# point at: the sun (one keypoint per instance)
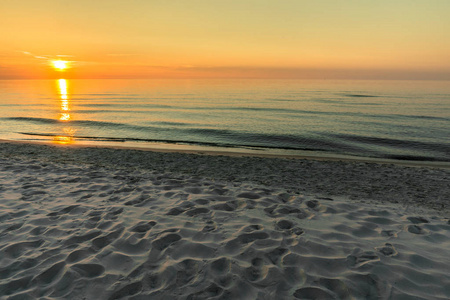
(60, 65)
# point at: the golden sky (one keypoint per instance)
(389, 39)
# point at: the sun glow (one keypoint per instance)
(60, 65)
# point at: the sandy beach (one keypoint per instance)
(103, 223)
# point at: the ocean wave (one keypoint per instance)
(120, 105)
(361, 96)
(166, 123)
(86, 123)
(389, 141)
(435, 151)
(355, 145)
(33, 120)
(230, 138)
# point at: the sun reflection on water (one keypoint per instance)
(63, 95)
(64, 115)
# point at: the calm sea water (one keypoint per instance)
(378, 119)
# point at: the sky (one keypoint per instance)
(347, 39)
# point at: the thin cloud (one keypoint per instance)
(35, 56)
(47, 58)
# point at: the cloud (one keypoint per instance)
(47, 58)
(35, 56)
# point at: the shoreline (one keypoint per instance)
(166, 148)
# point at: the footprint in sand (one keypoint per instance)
(128, 290)
(202, 201)
(249, 195)
(18, 249)
(237, 243)
(255, 273)
(223, 207)
(276, 255)
(212, 291)
(210, 226)
(188, 272)
(315, 205)
(89, 270)
(359, 258)
(416, 229)
(313, 293)
(284, 225)
(197, 211)
(175, 211)
(388, 250)
(221, 266)
(82, 238)
(165, 241)
(418, 220)
(288, 227)
(103, 241)
(142, 227)
(12, 227)
(79, 255)
(49, 275)
(251, 228)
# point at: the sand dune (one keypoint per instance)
(77, 229)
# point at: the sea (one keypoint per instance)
(384, 119)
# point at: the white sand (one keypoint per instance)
(84, 223)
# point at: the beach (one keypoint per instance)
(79, 222)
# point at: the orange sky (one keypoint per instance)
(395, 39)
